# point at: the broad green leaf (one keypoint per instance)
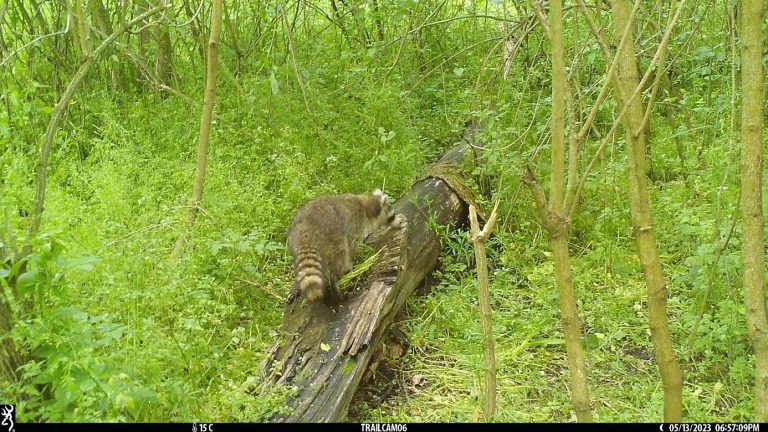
(27, 281)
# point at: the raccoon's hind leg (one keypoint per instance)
(333, 294)
(346, 265)
(342, 266)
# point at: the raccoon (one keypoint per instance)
(323, 236)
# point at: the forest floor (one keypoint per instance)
(123, 331)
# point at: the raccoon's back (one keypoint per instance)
(319, 223)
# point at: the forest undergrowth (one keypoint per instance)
(121, 330)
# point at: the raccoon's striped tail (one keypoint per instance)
(310, 278)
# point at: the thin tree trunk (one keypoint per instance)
(164, 55)
(753, 243)
(100, 16)
(569, 316)
(21, 9)
(642, 222)
(81, 25)
(104, 27)
(163, 60)
(478, 238)
(73, 32)
(212, 72)
(557, 185)
(559, 226)
(44, 28)
(555, 215)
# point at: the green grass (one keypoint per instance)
(126, 333)
(121, 331)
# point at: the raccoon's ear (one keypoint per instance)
(373, 207)
(379, 195)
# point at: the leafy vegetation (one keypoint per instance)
(338, 97)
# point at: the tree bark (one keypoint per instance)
(559, 224)
(753, 243)
(326, 351)
(557, 184)
(478, 238)
(164, 55)
(81, 25)
(569, 315)
(205, 122)
(642, 221)
(100, 16)
(555, 215)
(164, 58)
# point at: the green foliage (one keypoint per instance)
(117, 330)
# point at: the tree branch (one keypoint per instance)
(658, 59)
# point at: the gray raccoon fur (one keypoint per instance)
(323, 236)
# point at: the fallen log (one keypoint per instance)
(325, 351)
